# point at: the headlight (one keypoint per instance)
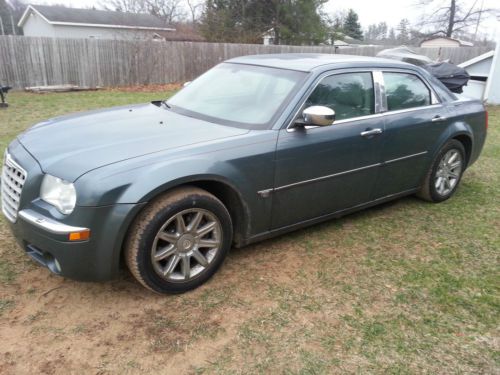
(59, 193)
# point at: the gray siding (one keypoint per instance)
(37, 26)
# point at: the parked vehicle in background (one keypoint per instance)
(255, 147)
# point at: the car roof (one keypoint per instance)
(307, 62)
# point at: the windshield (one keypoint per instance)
(238, 95)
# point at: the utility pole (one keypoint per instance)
(1, 26)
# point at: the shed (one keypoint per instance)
(443, 41)
(479, 69)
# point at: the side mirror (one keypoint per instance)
(186, 83)
(318, 115)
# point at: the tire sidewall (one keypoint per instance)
(160, 217)
(451, 145)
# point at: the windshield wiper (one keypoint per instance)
(159, 103)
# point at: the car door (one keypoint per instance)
(320, 170)
(413, 122)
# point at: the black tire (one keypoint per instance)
(429, 191)
(141, 246)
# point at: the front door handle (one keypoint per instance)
(438, 119)
(368, 133)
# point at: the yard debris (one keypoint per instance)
(3, 96)
(50, 291)
(60, 88)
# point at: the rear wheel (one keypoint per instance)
(445, 174)
(179, 241)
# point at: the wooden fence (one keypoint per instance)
(28, 61)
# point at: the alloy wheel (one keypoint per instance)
(448, 172)
(186, 244)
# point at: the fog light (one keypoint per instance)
(79, 236)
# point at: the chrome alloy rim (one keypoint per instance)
(448, 172)
(186, 244)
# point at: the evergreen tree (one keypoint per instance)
(404, 31)
(352, 27)
(392, 36)
(244, 21)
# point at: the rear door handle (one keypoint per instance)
(438, 119)
(368, 133)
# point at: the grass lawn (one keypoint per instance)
(407, 287)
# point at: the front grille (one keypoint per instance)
(13, 178)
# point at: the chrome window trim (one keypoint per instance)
(381, 115)
(405, 110)
(380, 97)
(47, 223)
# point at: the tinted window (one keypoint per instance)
(349, 95)
(405, 91)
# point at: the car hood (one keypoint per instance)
(70, 146)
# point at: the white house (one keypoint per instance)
(443, 41)
(62, 22)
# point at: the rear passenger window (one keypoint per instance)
(348, 94)
(405, 91)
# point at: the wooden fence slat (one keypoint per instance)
(31, 61)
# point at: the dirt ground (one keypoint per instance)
(406, 287)
(60, 326)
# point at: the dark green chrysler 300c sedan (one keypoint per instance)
(255, 147)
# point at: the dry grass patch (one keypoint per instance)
(407, 287)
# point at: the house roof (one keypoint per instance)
(59, 15)
(477, 59)
(462, 43)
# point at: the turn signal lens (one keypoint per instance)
(79, 236)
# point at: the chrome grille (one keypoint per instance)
(13, 178)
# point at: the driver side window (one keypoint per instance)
(348, 94)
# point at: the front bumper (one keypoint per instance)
(46, 241)
(42, 231)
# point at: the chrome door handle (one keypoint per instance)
(368, 133)
(438, 119)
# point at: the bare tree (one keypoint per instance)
(169, 10)
(130, 6)
(448, 17)
(195, 9)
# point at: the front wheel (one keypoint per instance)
(179, 241)
(445, 174)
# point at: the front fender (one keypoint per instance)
(244, 166)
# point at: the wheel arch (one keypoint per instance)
(460, 131)
(466, 140)
(223, 190)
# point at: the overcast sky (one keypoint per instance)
(370, 11)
